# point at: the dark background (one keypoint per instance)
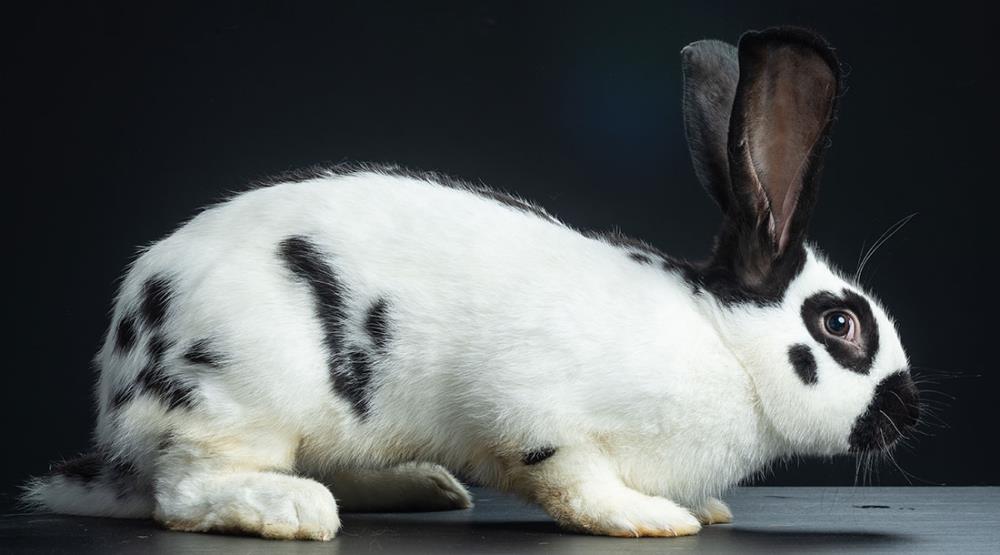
(125, 118)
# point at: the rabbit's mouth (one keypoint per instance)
(893, 411)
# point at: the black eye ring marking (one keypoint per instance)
(855, 354)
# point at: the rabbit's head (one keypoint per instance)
(827, 365)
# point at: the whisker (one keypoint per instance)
(886, 235)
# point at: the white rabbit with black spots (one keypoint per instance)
(355, 336)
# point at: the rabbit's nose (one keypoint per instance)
(893, 410)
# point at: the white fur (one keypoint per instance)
(509, 332)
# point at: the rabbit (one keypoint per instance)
(353, 338)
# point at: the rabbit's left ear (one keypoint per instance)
(785, 103)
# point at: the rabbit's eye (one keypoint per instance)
(840, 323)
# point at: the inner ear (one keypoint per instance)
(783, 109)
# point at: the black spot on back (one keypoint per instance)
(202, 352)
(377, 323)
(155, 298)
(803, 362)
(536, 456)
(125, 333)
(847, 355)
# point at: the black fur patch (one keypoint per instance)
(154, 380)
(305, 260)
(857, 358)
(157, 348)
(349, 372)
(354, 385)
(202, 352)
(121, 397)
(125, 333)
(155, 300)
(803, 362)
(377, 323)
(536, 456)
(894, 409)
(167, 389)
(85, 468)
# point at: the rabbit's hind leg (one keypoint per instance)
(237, 483)
(410, 487)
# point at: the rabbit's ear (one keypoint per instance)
(785, 103)
(711, 71)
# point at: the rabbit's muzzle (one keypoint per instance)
(893, 411)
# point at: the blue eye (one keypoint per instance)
(838, 323)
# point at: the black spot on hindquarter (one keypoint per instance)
(156, 293)
(167, 389)
(855, 357)
(536, 456)
(125, 333)
(202, 352)
(803, 362)
(155, 381)
(377, 323)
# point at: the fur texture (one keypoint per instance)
(332, 330)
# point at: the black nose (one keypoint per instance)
(894, 409)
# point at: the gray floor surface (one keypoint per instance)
(772, 520)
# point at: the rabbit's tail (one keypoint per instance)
(90, 485)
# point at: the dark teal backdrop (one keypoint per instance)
(123, 118)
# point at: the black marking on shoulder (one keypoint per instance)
(536, 456)
(202, 352)
(125, 333)
(855, 357)
(803, 362)
(377, 323)
(85, 468)
(305, 260)
(156, 293)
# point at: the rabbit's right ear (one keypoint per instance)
(711, 73)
